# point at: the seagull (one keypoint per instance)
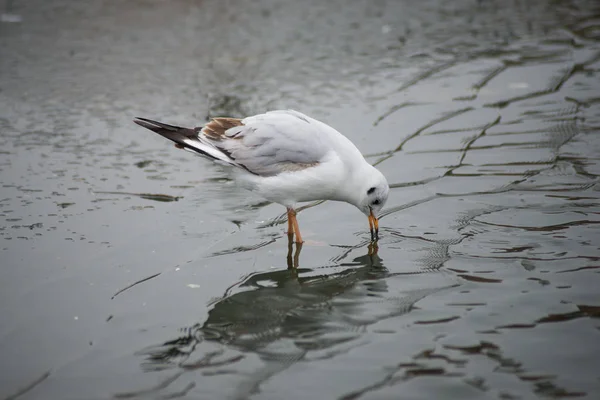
(287, 158)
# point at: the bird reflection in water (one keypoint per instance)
(282, 315)
(266, 306)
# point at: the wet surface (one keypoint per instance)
(130, 269)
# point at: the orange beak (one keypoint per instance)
(374, 226)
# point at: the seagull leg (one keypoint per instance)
(297, 255)
(290, 262)
(376, 225)
(292, 217)
(290, 230)
(293, 257)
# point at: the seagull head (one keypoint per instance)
(374, 190)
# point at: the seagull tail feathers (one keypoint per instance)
(177, 134)
(187, 139)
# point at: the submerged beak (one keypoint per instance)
(374, 226)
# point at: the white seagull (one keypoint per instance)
(287, 158)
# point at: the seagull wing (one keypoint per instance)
(265, 144)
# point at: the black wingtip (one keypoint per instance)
(141, 122)
(155, 125)
(181, 136)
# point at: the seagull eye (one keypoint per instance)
(371, 190)
(376, 202)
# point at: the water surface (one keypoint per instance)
(130, 269)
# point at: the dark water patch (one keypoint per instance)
(240, 249)
(144, 163)
(147, 196)
(446, 117)
(579, 269)
(438, 321)
(389, 112)
(22, 391)
(134, 284)
(479, 279)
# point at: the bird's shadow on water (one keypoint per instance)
(284, 316)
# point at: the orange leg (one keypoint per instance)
(290, 230)
(294, 223)
(293, 257)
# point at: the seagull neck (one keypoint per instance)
(352, 187)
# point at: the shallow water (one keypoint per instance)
(130, 269)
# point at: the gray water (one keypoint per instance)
(133, 270)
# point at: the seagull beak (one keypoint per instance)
(374, 226)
